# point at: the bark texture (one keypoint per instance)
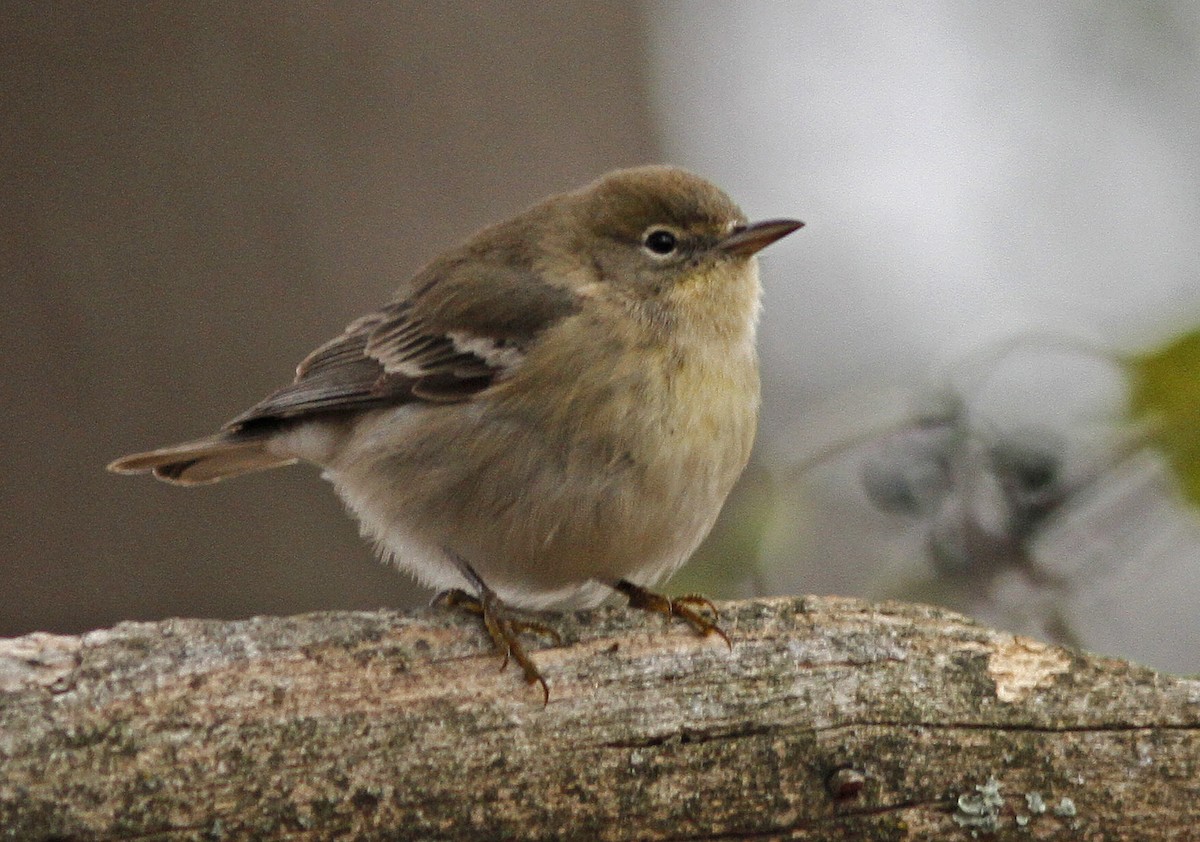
(829, 719)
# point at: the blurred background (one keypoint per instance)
(973, 354)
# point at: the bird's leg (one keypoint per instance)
(683, 607)
(502, 627)
(458, 598)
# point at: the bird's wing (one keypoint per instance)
(462, 328)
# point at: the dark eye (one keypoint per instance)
(661, 242)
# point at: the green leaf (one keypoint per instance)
(1165, 397)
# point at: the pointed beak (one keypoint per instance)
(749, 239)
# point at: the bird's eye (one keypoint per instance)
(660, 241)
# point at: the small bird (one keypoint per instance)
(553, 410)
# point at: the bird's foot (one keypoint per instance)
(504, 629)
(684, 607)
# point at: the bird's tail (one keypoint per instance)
(204, 460)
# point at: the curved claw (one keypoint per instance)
(699, 600)
(456, 598)
(534, 627)
(683, 607)
(503, 630)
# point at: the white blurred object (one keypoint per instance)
(966, 171)
(1131, 549)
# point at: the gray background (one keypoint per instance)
(194, 196)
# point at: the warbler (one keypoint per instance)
(554, 409)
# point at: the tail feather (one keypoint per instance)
(203, 460)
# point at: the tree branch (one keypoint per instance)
(830, 719)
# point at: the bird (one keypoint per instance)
(554, 410)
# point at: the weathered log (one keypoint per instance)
(829, 719)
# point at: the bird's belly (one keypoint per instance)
(541, 517)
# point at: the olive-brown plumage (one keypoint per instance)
(560, 404)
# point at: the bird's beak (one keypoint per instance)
(748, 239)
